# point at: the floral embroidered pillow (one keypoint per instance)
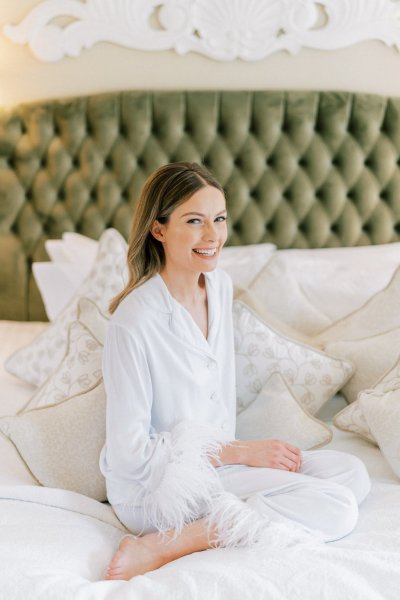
(36, 361)
(312, 376)
(80, 369)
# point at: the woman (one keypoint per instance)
(171, 460)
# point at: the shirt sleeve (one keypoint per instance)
(176, 479)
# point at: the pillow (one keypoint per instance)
(352, 417)
(80, 368)
(250, 300)
(61, 443)
(311, 289)
(275, 413)
(36, 361)
(72, 259)
(382, 413)
(379, 314)
(312, 376)
(72, 248)
(372, 356)
(243, 263)
(57, 283)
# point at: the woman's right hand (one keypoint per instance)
(273, 454)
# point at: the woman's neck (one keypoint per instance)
(187, 288)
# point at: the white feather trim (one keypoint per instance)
(233, 523)
(187, 486)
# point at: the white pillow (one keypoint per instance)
(352, 418)
(382, 413)
(379, 314)
(311, 289)
(276, 414)
(73, 248)
(312, 376)
(80, 369)
(243, 263)
(36, 361)
(57, 283)
(72, 259)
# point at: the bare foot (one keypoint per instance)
(135, 556)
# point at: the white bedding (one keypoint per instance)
(56, 544)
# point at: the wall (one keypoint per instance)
(368, 67)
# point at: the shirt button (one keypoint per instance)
(211, 365)
(213, 395)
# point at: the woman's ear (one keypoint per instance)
(157, 231)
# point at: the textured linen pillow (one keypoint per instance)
(80, 368)
(352, 417)
(312, 376)
(382, 413)
(61, 443)
(36, 361)
(311, 289)
(379, 314)
(276, 414)
(372, 356)
(246, 297)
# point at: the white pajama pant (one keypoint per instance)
(323, 497)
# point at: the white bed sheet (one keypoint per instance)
(56, 544)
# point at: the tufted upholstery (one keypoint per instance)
(300, 169)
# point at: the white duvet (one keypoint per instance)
(56, 544)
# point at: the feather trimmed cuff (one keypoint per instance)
(186, 489)
(233, 523)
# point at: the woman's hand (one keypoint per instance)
(274, 454)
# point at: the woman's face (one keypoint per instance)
(195, 232)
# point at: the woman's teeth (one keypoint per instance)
(209, 252)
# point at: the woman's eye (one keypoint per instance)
(220, 219)
(195, 221)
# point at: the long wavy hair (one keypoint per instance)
(166, 189)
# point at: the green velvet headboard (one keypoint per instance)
(300, 169)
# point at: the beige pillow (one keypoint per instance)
(35, 362)
(379, 314)
(352, 417)
(372, 356)
(247, 297)
(312, 376)
(276, 414)
(80, 368)
(61, 443)
(382, 413)
(311, 289)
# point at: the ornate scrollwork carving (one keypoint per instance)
(220, 29)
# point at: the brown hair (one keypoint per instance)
(167, 188)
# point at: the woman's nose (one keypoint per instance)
(210, 233)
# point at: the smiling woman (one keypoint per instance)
(169, 375)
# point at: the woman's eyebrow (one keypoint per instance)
(201, 214)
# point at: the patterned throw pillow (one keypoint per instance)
(80, 369)
(36, 361)
(312, 376)
(276, 414)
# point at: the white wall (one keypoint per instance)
(368, 67)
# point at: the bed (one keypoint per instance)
(312, 181)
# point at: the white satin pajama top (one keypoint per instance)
(160, 371)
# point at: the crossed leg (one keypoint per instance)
(323, 497)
